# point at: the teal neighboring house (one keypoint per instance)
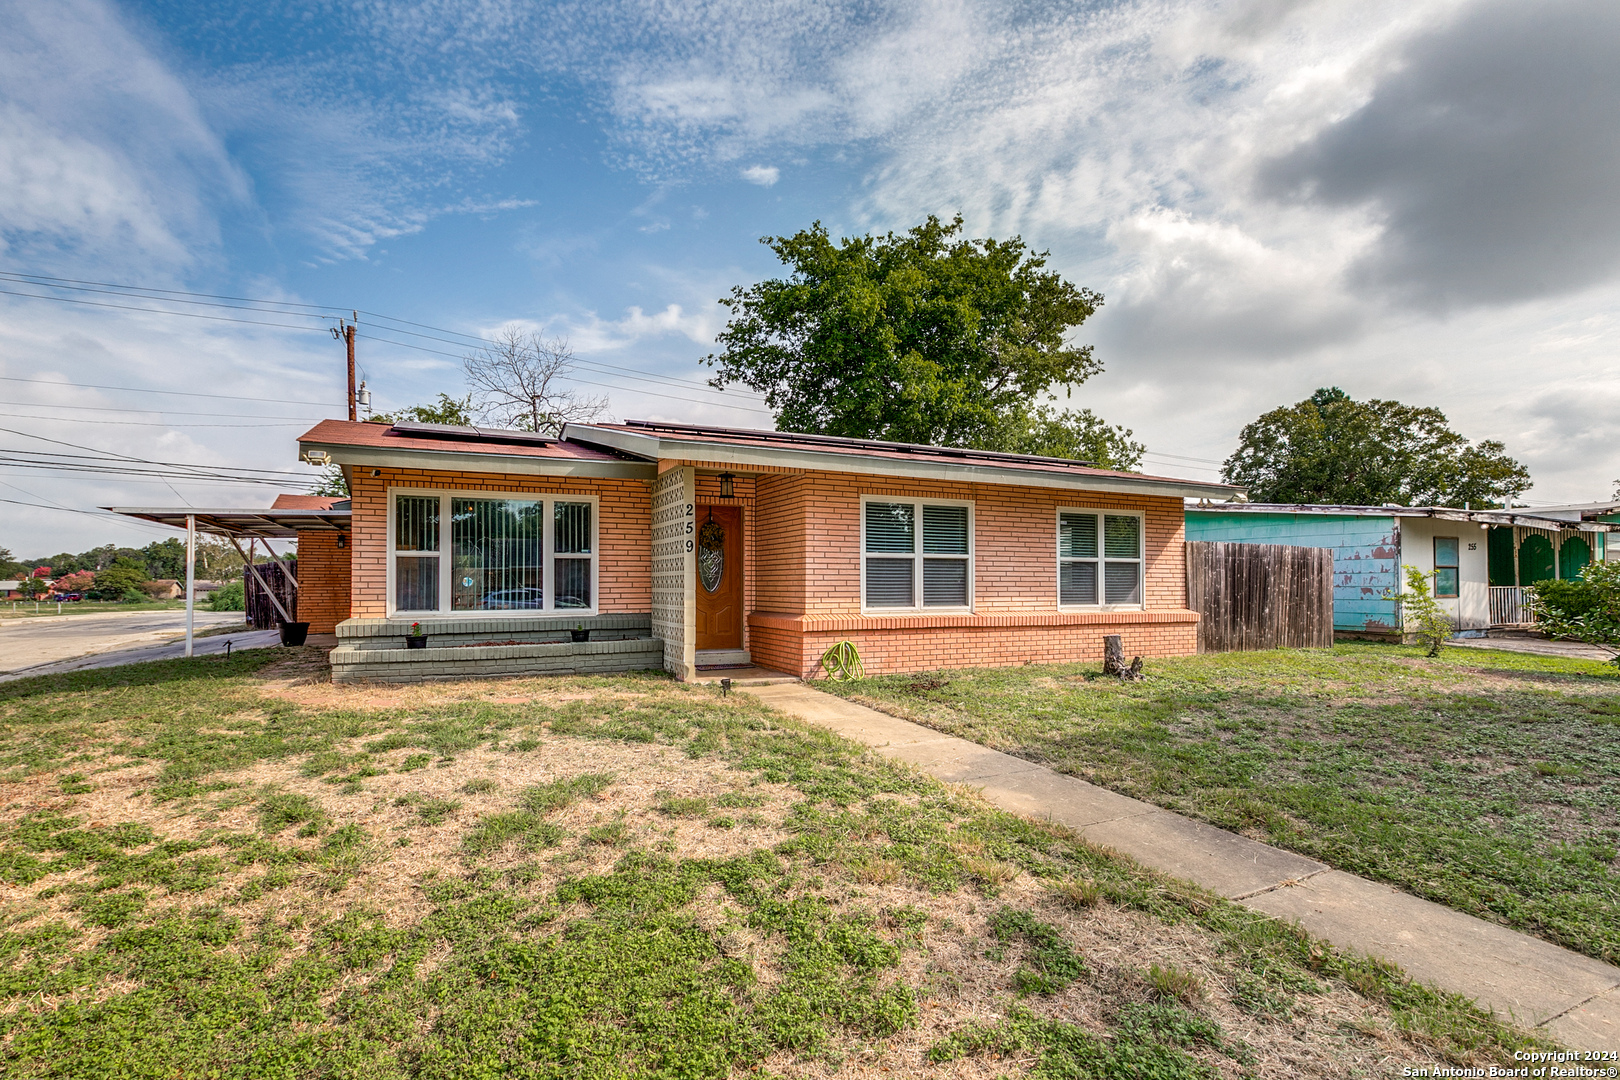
(1482, 560)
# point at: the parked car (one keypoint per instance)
(69, 597)
(514, 599)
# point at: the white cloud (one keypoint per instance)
(763, 175)
(104, 154)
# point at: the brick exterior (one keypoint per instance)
(323, 581)
(809, 590)
(802, 566)
(624, 530)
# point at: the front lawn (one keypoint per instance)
(1485, 780)
(223, 867)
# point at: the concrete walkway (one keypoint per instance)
(1531, 643)
(1571, 998)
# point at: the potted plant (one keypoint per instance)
(294, 633)
(416, 639)
(579, 633)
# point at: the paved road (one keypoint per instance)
(28, 642)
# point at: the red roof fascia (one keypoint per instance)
(378, 436)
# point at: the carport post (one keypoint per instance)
(191, 575)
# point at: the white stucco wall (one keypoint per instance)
(1471, 608)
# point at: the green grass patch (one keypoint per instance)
(1487, 781)
(702, 968)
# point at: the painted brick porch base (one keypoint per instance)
(794, 643)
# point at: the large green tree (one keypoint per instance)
(1331, 448)
(921, 337)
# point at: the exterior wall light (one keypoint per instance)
(725, 485)
(343, 541)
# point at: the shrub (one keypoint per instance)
(1586, 609)
(134, 596)
(1421, 615)
(231, 597)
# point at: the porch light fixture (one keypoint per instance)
(343, 541)
(725, 485)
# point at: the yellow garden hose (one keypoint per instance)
(843, 662)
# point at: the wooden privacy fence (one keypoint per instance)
(1260, 596)
(260, 611)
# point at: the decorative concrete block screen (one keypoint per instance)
(674, 569)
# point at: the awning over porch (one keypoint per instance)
(272, 523)
(289, 516)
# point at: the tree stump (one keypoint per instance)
(1114, 660)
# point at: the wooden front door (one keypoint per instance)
(720, 577)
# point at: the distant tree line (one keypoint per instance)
(217, 560)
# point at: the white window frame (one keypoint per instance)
(917, 556)
(1102, 559)
(548, 549)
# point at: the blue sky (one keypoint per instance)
(1272, 195)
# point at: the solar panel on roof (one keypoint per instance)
(475, 434)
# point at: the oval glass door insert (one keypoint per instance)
(711, 554)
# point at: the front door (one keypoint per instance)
(720, 577)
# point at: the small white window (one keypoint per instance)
(1099, 559)
(916, 554)
(507, 553)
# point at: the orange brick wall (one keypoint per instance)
(810, 529)
(988, 643)
(809, 594)
(323, 581)
(624, 530)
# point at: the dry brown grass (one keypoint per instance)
(952, 959)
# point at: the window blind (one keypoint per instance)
(890, 527)
(1122, 537)
(497, 553)
(888, 583)
(945, 530)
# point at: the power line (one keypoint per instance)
(160, 412)
(136, 291)
(129, 457)
(158, 311)
(587, 382)
(281, 307)
(171, 292)
(144, 423)
(601, 365)
(175, 393)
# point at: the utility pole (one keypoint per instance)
(345, 332)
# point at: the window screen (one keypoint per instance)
(1445, 566)
(572, 544)
(416, 576)
(1099, 559)
(905, 563)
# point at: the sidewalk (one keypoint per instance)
(1569, 997)
(208, 646)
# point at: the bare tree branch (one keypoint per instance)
(518, 381)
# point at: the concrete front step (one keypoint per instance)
(351, 664)
(1564, 995)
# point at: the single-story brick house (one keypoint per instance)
(694, 547)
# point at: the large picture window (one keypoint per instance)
(1099, 559)
(916, 554)
(506, 553)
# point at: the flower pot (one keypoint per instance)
(418, 641)
(580, 635)
(294, 633)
